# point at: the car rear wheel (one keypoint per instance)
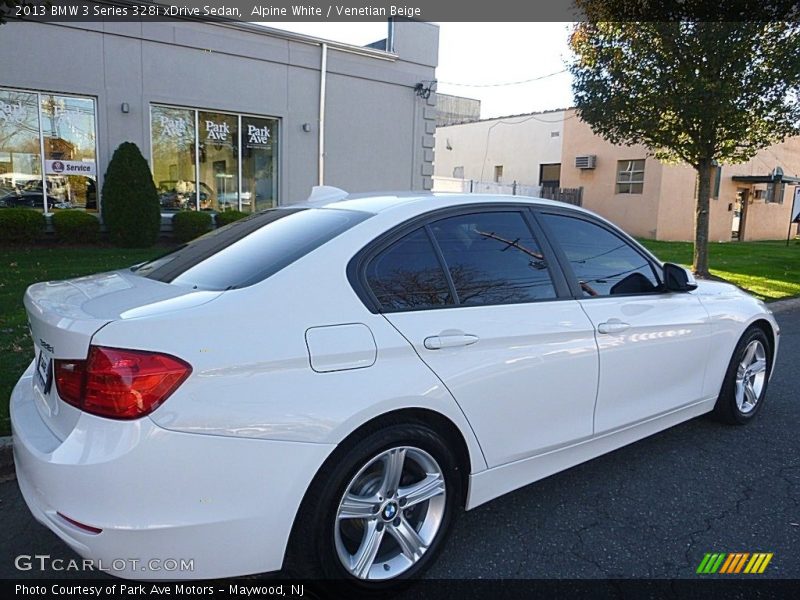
(378, 512)
(745, 385)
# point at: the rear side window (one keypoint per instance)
(407, 275)
(603, 263)
(493, 258)
(250, 250)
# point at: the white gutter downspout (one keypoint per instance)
(322, 76)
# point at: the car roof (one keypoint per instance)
(376, 203)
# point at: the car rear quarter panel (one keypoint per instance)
(252, 375)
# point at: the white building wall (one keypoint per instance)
(520, 144)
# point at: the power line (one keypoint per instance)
(503, 122)
(488, 85)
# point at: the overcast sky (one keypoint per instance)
(479, 54)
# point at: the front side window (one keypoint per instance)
(603, 263)
(493, 258)
(407, 275)
(630, 176)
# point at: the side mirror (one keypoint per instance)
(678, 279)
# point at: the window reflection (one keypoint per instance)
(603, 263)
(407, 275)
(68, 129)
(219, 157)
(493, 259)
(173, 139)
(225, 147)
(259, 161)
(20, 151)
(65, 127)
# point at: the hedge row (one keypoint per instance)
(188, 225)
(76, 227)
(21, 225)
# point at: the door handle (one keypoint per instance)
(613, 326)
(438, 342)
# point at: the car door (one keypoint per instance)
(653, 344)
(489, 312)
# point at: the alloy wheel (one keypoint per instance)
(750, 376)
(390, 513)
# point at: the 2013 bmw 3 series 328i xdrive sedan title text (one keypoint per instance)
(325, 386)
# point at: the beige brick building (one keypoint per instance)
(647, 198)
(655, 200)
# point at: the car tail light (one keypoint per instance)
(119, 384)
(69, 375)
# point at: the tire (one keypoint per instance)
(330, 536)
(745, 386)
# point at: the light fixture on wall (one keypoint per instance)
(306, 127)
(126, 108)
(424, 88)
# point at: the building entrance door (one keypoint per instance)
(740, 213)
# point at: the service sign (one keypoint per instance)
(70, 167)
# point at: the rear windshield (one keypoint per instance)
(250, 250)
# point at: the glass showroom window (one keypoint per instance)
(174, 151)
(47, 141)
(219, 161)
(234, 155)
(259, 163)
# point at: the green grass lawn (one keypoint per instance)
(20, 267)
(768, 270)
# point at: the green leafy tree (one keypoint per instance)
(130, 206)
(703, 92)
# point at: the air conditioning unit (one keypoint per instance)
(587, 161)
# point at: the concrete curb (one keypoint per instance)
(7, 455)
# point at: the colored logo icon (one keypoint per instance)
(732, 563)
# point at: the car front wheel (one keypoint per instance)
(745, 385)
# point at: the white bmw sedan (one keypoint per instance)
(325, 387)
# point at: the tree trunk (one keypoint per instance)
(700, 262)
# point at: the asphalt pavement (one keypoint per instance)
(650, 510)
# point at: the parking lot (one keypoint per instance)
(650, 510)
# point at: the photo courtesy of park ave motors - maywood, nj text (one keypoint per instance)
(369, 299)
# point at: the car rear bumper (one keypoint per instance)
(170, 504)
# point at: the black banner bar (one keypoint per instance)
(700, 588)
(277, 11)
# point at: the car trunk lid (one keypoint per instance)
(64, 316)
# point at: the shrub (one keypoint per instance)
(131, 210)
(229, 216)
(76, 227)
(188, 225)
(20, 225)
